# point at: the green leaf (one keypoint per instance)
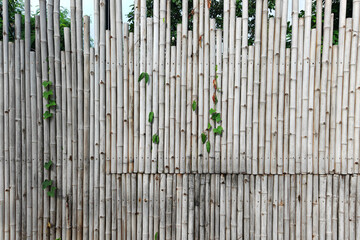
(208, 146)
(218, 118)
(156, 235)
(46, 183)
(144, 75)
(212, 111)
(51, 103)
(48, 165)
(209, 126)
(216, 68)
(155, 139)
(151, 117)
(51, 193)
(218, 130)
(194, 105)
(46, 83)
(203, 138)
(47, 115)
(47, 94)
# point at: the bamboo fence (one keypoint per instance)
(133, 137)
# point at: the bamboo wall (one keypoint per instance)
(130, 159)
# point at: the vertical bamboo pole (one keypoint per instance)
(6, 118)
(149, 86)
(321, 224)
(126, 100)
(18, 135)
(64, 143)
(269, 76)
(2, 140)
(219, 84)
(69, 132)
(246, 221)
(323, 88)
(191, 207)
(262, 97)
(178, 106)
(172, 158)
(87, 111)
(249, 106)
(329, 188)
(287, 112)
(164, 84)
(188, 104)
(11, 109)
(352, 87)
(299, 80)
(229, 123)
(169, 201)
(224, 85)
(145, 204)
(92, 144)
(339, 90)
(131, 103)
(133, 206)
(333, 109)
(237, 82)
(184, 205)
(143, 99)
(107, 95)
(213, 70)
(139, 206)
(102, 118)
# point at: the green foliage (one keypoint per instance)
(218, 130)
(51, 103)
(151, 117)
(51, 193)
(144, 75)
(209, 126)
(203, 138)
(155, 139)
(156, 235)
(47, 94)
(47, 183)
(48, 165)
(18, 6)
(208, 146)
(47, 83)
(47, 115)
(194, 106)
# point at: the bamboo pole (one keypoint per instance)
(262, 97)
(131, 103)
(224, 85)
(188, 104)
(11, 109)
(2, 140)
(213, 70)
(149, 86)
(219, 84)
(69, 163)
(299, 80)
(321, 225)
(230, 110)
(164, 82)
(287, 114)
(237, 82)
(87, 176)
(249, 107)
(177, 105)
(92, 144)
(171, 163)
(269, 73)
(333, 109)
(64, 143)
(18, 130)
(143, 103)
(126, 100)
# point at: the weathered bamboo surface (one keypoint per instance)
(131, 137)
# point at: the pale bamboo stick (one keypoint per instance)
(133, 206)
(64, 143)
(126, 101)
(149, 86)
(287, 116)
(299, 90)
(323, 88)
(177, 104)
(219, 85)
(18, 133)
(262, 97)
(224, 85)
(213, 68)
(131, 103)
(169, 201)
(2, 140)
(333, 109)
(237, 82)
(229, 123)
(139, 207)
(249, 106)
(247, 194)
(184, 204)
(269, 77)
(159, 208)
(87, 112)
(321, 225)
(164, 80)
(201, 189)
(195, 77)
(329, 188)
(188, 104)
(345, 100)
(145, 205)
(171, 163)
(102, 119)
(143, 102)
(12, 182)
(257, 202)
